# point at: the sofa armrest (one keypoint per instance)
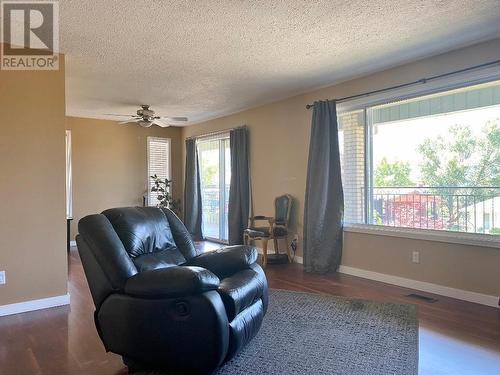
(227, 261)
(171, 282)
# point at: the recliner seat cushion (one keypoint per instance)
(142, 230)
(160, 259)
(240, 291)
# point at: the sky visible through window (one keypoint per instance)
(400, 140)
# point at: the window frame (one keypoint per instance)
(69, 175)
(363, 104)
(168, 141)
(223, 139)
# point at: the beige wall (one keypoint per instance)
(464, 267)
(279, 139)
(110, 166)
(32, 185)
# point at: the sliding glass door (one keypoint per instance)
(215, 174)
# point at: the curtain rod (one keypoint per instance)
(421, 81)
(215, 132)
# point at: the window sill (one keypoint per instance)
(472, 239)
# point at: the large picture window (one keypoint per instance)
(430, 162)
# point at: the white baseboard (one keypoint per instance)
(464, 295)
(72, 243)
(298, 260)
(37, 304)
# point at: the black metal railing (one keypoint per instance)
(453, 208)
(210, 197)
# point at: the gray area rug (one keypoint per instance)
(307, 333)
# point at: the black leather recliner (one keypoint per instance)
(159, 302)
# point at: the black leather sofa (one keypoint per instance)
(160, 304)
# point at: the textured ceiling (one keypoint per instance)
(205, 59)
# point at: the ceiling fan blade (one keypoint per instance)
(161, 123)
(133, 121)
(175, 118)
(116, 115)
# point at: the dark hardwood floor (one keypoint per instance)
(456, 337)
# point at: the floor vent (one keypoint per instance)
(422, 298)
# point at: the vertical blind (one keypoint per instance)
(158, 163)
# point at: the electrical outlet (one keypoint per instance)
(415, 257)
(2, 277)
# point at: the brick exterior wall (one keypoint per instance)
(353, 164)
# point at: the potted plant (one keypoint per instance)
(162, 187)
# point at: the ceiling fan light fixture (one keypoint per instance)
(145, 124)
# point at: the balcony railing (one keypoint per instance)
(212, 220)
(452, 208)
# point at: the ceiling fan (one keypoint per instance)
(145, 117)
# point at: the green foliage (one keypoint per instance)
(393, 174)
(377, 218)
(461, 162)
(462, 159)
(162, 187)
(208, 175)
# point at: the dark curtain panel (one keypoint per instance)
(324, 202)
(239, 190)
(192, 191)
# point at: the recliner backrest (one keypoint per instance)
(120, 242)
(153, 237)
(106, 263)
(181, 235)
(142, 230)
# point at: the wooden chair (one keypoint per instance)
(276, 230)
